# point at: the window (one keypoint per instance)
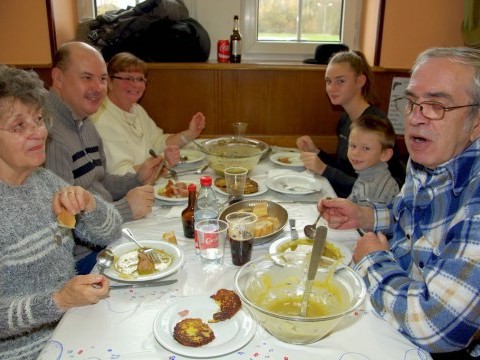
(108, 5)
(291, 29)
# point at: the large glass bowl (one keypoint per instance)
(227, 151)
(273, 293)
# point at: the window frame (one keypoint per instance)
(252, 49)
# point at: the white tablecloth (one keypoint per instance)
(121, 326)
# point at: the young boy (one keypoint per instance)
(370, 146)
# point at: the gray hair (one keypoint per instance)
(21, 85)
(460, 55)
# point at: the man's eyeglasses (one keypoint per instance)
(22, 127)
(139, 79)
(431, 110)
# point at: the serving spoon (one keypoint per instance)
(317, 251)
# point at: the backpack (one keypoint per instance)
(154, 31)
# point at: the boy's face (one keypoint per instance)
(365, 149)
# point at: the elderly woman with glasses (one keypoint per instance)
(38, 281)
(127, 130)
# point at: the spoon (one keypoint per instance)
(317, 251)
(196, 171)
(310, 230)
(104, 259)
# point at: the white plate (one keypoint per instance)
(262, 188)
(294, 184)
(292, 156)
(193, 156)
(155, 244)
(230, 335)
(347, 254)
(162, 182)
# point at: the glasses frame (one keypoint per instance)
(410, 104)
(133, 79)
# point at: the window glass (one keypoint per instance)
(291, 29)
(299, 20)
(108, 5)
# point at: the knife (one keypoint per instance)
(293, 229)
(134, 285)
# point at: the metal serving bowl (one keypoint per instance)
(274, 209)
(227, 151)
(274, 293)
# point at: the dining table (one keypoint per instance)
(124, 325)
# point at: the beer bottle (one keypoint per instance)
(235, 43)
(188, 212)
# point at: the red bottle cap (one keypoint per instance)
(192, 187)
(206, 180)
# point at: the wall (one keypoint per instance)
(412, 26)
(24, 36)
(66, 18)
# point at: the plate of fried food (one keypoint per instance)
(253, 186)
(281, 248)
(204, 326)
(287, 159)
(131, 264)
(175, 190)
(271, 217)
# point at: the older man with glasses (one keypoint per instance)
(424, 273)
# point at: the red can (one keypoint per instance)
(223, 51)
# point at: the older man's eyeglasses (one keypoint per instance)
(134, 79)
(431, 110)
(22, 126)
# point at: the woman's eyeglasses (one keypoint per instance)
(431, 110)
(139, 79)
(23, 126)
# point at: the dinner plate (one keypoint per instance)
(230, 335)
(192, 156)
(287, 159)
(294, 184)
(188, 179)
(178, 259)
(262, 188)
(274, 250)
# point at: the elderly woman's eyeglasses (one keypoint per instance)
(431, 110)
(22, 126)
(139, 79)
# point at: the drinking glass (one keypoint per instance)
(239, 129)
(235, 178)
(212, 234)
(241, 227)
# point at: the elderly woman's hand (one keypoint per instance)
(82, 290)
(73, 199)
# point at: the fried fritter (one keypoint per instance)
(193, 332)
(229, 304)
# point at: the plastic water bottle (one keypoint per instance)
(206, 206)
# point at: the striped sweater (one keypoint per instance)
(36, 259)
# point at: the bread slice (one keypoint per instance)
(265, 226)
(260, 209)
(66, 219)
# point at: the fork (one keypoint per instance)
(151, 253)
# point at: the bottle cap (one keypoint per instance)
(192, 187)
(205, 180)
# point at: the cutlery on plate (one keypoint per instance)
(151, 253)
(195, 171)
(288, 187)
(139, 284)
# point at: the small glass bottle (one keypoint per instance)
(206, 206)
(188, 212)
(235, 42)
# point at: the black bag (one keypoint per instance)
(151, 33)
